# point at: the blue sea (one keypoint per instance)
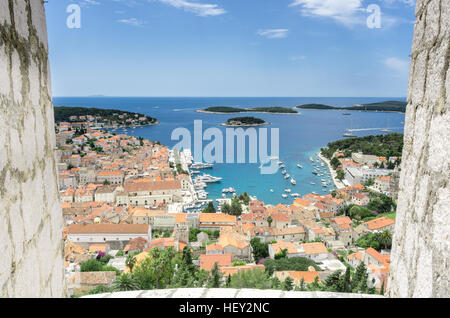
(301, 135)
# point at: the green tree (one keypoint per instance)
(92, 265)
(302, 285)
(281, 254)
(215, 277)
(288, 284)
(269, 220)
(130, 262)
(125, 282)
(236, 207)
(210, 208)
(260, 250)
(386, 239)
(226, 208)
(340, 174)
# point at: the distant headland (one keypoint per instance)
(107, 118)
(235, 110)
(387, 106)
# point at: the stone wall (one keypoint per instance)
(420, 253)
(31, 261)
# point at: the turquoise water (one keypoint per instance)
(301, 135)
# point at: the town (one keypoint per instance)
(127, 206)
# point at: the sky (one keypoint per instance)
(230, 48)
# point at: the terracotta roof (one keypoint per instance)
(216, 218)
(357, 255)
(379, 223)
(166, 243)
(214, 247)
(207, 261)
(288, 231)
(314, 248)
(281, 245)
(108, 228)
(136, 244)
(342, 220)
(308, 276)
(302, 202)
(98, 247)
(152, 186)
(379, 257)
(109, 173)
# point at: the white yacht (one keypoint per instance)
(300, 166)
(208, 178)
(311, 159)
(293, 181)
(201, 165)
(271, 190)
(283, 172)
(287, 190)
(284, 195)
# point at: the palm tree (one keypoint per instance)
(125, 282)
(386, 239)
(269, 220)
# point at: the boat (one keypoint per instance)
(201, 165)
(284, 172)
(271, 190)
(311, 159)
(284, 195)
(282, 166)
(293, 181)
(385, 130)
(315, 172)
(346, 114)
(229, 190)
(208, 178)
(279, 162)
(195, 172)
(287, 176)
(312, 183)
(295, 195)
(349, 135)
(300, 166)
(287, 190)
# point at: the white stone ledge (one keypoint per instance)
(227, 293)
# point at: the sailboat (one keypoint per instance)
(349, 134)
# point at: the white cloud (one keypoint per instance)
(200, 9)
(87, 3)
(132, 22)
(398, 65)
(342, 11)
(298, 58)
(274, 33)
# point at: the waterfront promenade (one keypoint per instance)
(337, 183)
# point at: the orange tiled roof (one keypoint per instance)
(314, 248)
(379, 223)
(207, 261)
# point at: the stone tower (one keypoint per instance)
(31, 263)
(420, 254)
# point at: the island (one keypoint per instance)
(230, 110)
(106, 118)
(244, 122)
(387, 106)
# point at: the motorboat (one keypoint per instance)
(300, 166)
(287, 190)
(201, 165)
(284, 195)
(293, 182)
